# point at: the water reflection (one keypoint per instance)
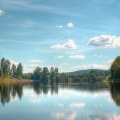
(61, 101)
(9, 92)
(62, 115)
(115, 92)
(39, 89)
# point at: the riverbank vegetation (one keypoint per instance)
(114, 71)
(12, 73)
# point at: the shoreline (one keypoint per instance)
(16, 81)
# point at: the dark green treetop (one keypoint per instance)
(115, 69)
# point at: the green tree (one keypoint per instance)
(5, 66)
(56, 71)
(45, 76)
(13, 70)
(19, 70)
(52, 73)
(115, 69)
(37, 73)
(56, 75)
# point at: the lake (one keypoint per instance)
(60, 102)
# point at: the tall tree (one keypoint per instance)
(45, 75)
(5, 66)
(52, 73)
(19, 70)
(13, 70)
(56, 70)
(115, 68)
(37, 73)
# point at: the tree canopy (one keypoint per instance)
(45, 75)
(115, 69)
(6, 68)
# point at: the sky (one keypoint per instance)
(68, 34)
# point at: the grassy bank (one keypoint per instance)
(109, 79)
(11, 80)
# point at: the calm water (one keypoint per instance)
(60, 102)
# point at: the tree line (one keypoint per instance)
(43, 75)
(115, 69)
(8, 92)
(92, 76)
(6, 68)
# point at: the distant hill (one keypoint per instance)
(84, 71)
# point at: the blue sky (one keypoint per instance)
(71, 35)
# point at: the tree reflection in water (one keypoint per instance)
(9, 92)
(115, 92)
(39, 88)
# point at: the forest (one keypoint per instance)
(91, 76)
(42, 75)
(45, 75)
(115, 69)
(17, 90)
(7, 69)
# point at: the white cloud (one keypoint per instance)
(63, 71)
(35, 61)
(1, 12)
(91, 66)
(81, 67)
(110, 61)
(49, 66)
(61, 56)
(14, 62)
(77, 105)
(33, 65)
(68, 45)
(60, 67)
(97, 66)
(70, 25)
(60, 26)
(105, 41)
(79, 57)
(28, 70)
(65, 115)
